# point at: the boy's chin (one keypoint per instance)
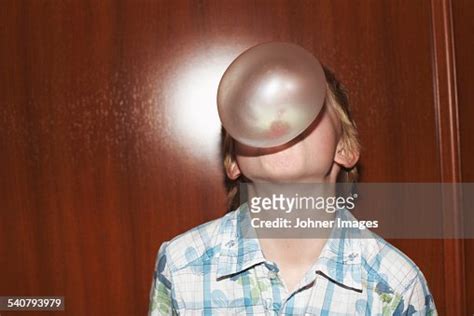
(288, 177)
(285, 171)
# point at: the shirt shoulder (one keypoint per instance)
(384, 262)
(394, 277)
(198, 243)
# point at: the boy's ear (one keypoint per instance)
(233, 170)
(346, 158)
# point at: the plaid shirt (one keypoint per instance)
(213, 270)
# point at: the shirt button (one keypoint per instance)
(352, 256)
(268, 303)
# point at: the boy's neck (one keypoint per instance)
(296, 253)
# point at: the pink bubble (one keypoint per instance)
(270, 94)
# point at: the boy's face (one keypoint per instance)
(314, 156)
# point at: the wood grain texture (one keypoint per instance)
(463, 26)
(446, 106)
(110, 136)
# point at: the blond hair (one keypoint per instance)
(336, 98)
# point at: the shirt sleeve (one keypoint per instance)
(417, 299)
(161, 289)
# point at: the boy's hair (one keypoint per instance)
(336, 98)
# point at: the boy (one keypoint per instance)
(213, 270)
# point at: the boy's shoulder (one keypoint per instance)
(198, 243)
(383, 265)
(393, 277)
(386, 267)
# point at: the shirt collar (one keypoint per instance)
(237, 253)
(339, 261)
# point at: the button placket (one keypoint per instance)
(268, 303)
(266, 287)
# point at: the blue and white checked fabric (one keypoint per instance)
(213, 270)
